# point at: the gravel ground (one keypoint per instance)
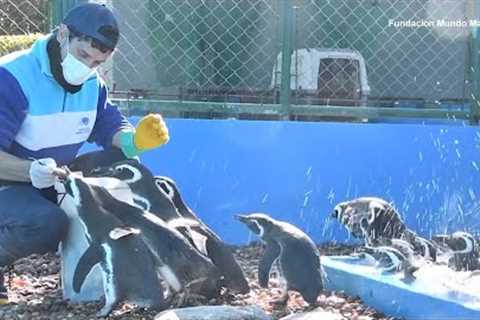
(34, 293)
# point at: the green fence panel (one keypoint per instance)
(237, 51)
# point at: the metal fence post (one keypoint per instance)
(474, 66)
(287, 49)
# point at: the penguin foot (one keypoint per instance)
(408, 277)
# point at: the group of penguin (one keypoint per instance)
(159, 240)
(152, 243)
(392, 247)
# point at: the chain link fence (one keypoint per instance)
(426, 62)
(345, 52)
(219, 49)
(196, 49)
(23, 17)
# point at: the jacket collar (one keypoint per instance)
(39, 50)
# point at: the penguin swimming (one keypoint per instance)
(370, 218)
(297, 257)
(161, 197)
(464, 249)
(114, 246)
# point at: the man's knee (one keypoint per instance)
(42, 232)
(28, 223)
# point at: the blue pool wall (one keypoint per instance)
(298, 171)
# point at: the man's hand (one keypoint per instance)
(41, 173)
(151, 132)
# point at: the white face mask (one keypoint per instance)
(75, 71)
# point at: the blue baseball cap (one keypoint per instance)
(95, 21)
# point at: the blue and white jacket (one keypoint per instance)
(39, 119)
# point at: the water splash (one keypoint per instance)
(265, 197)
(331, 196)
(474, 164)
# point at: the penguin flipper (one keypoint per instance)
(272, 251)
(90, 258)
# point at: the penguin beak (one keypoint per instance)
(249, 222)
(242, 218)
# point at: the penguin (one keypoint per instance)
(161, 197)
(114, 245)
(180, 265)
(423, 247)
(376, 221)
(370, 218)
(218, 251)
(464, 249)
(88, 162)
(297, 257)
(398, 256)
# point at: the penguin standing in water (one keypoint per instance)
(160, 196)
(370, 218)
(297, 256)
(377, 221)
(464, 249)
(114, 246)
(394, 258)
(423, 247)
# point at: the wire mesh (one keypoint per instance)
(347, 52)
(426, 63)
(23, 17)
(229, 50)
(194, 48)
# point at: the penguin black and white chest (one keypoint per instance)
(464, 248)
(160, 196)
(297, 256)
(114, 246)
(370, 218)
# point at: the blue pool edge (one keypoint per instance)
(390, 295)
